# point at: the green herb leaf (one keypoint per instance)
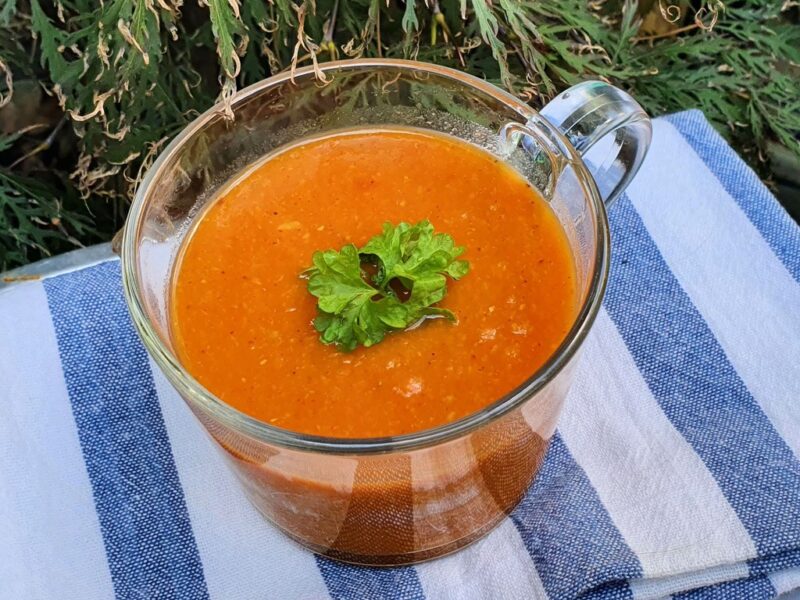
(359, 309)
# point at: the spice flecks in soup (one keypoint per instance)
(242, 317)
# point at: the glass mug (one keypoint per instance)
(394, 500)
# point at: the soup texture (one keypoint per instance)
(242, 316)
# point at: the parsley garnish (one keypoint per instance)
(392, 282)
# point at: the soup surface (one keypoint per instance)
(242, 316)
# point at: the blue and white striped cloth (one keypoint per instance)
(675, 470)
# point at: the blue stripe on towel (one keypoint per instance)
(617, 590)
(139, 500)
(698, 389)
(752, 196)
(775, 562)
(754, 588)
(569, 534)
(351, 582)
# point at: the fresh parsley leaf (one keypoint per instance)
(357, 307)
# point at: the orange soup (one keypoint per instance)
(242, 315)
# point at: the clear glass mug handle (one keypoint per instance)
(607, 127)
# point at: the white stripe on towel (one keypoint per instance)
(50, 540)
(742, 290)
(497, 567)
(658, 587)
(657, 490)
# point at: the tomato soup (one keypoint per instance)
(241, 313)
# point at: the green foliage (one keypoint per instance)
(129, 74)
(33, 221)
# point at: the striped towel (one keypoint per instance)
(675, 469)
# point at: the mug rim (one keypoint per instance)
(198, 396)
